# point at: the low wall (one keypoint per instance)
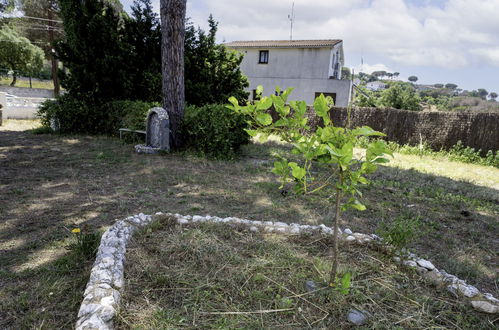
(438, 129)
(19, 107)
(27, 92)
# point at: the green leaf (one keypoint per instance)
(281, 168)
(321, 108)
(346, 282)
(263, 137)
(358, 205)
(259, 90)
(297, 171)
(381, 160)
(251, 132)
(264, 118)
(363, 180)
(264, 103)
(366, 131)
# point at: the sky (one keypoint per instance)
(439, 41)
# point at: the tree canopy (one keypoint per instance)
(19, 54)
(212, 71)
(412, 78)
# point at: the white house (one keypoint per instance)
(312, 67)
(375, 85)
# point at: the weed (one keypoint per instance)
(401, 231)
(85, 242)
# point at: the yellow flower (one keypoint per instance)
(75, 230)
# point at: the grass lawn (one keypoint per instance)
(22, 82)
(51, 183)
(210, 277)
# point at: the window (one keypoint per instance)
(264, 57)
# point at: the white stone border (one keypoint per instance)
(102, 296)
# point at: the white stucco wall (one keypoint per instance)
(305, 89)
(308, 70)
(287, 63)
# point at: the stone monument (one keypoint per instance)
(157, 132)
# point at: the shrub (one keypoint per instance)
(79, 116)
(214, 131)
(74, 115)
(129, 114)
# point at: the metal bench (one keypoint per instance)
(131, 131)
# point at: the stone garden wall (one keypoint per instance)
(437, 129)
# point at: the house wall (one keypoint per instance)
(305, 89)
(292, 63)
(306, 69)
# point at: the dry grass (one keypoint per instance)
(21, 82)
(49, 183)
(211, 276)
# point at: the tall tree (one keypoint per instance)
(412, 79)
(143, 33)
(18, 54)
(212, 72)
(493, 95)
(482, 93)
(172, 63)
(93, 50)
(44, 28)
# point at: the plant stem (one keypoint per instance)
(336, 223)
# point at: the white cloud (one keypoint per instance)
(453, 35)
(368, 68)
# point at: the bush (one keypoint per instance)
(129, 114)
(79, 116)
(214, 131)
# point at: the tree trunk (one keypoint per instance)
(336, 224)
(53, 60)
(172, 64)
(14, 78)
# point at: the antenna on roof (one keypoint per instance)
(291, 19)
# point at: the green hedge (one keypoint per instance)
(214, 131)
(79, 115)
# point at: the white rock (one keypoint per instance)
(197, 218)
(254, 229)
(86, 309)
(182, 221)
(396, 259)
(107, 313)
(348, 231)
(485, 306)
(357, 317)
(280, 224)
(434, 277)
(491, 298)
(269, 229)
(294, 230)
(159, 213)
(94, 322)
(410, 263)
(268, 223)
(426, 264)
(350, 238)
(467, 290)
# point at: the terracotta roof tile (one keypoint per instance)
(283, 43)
